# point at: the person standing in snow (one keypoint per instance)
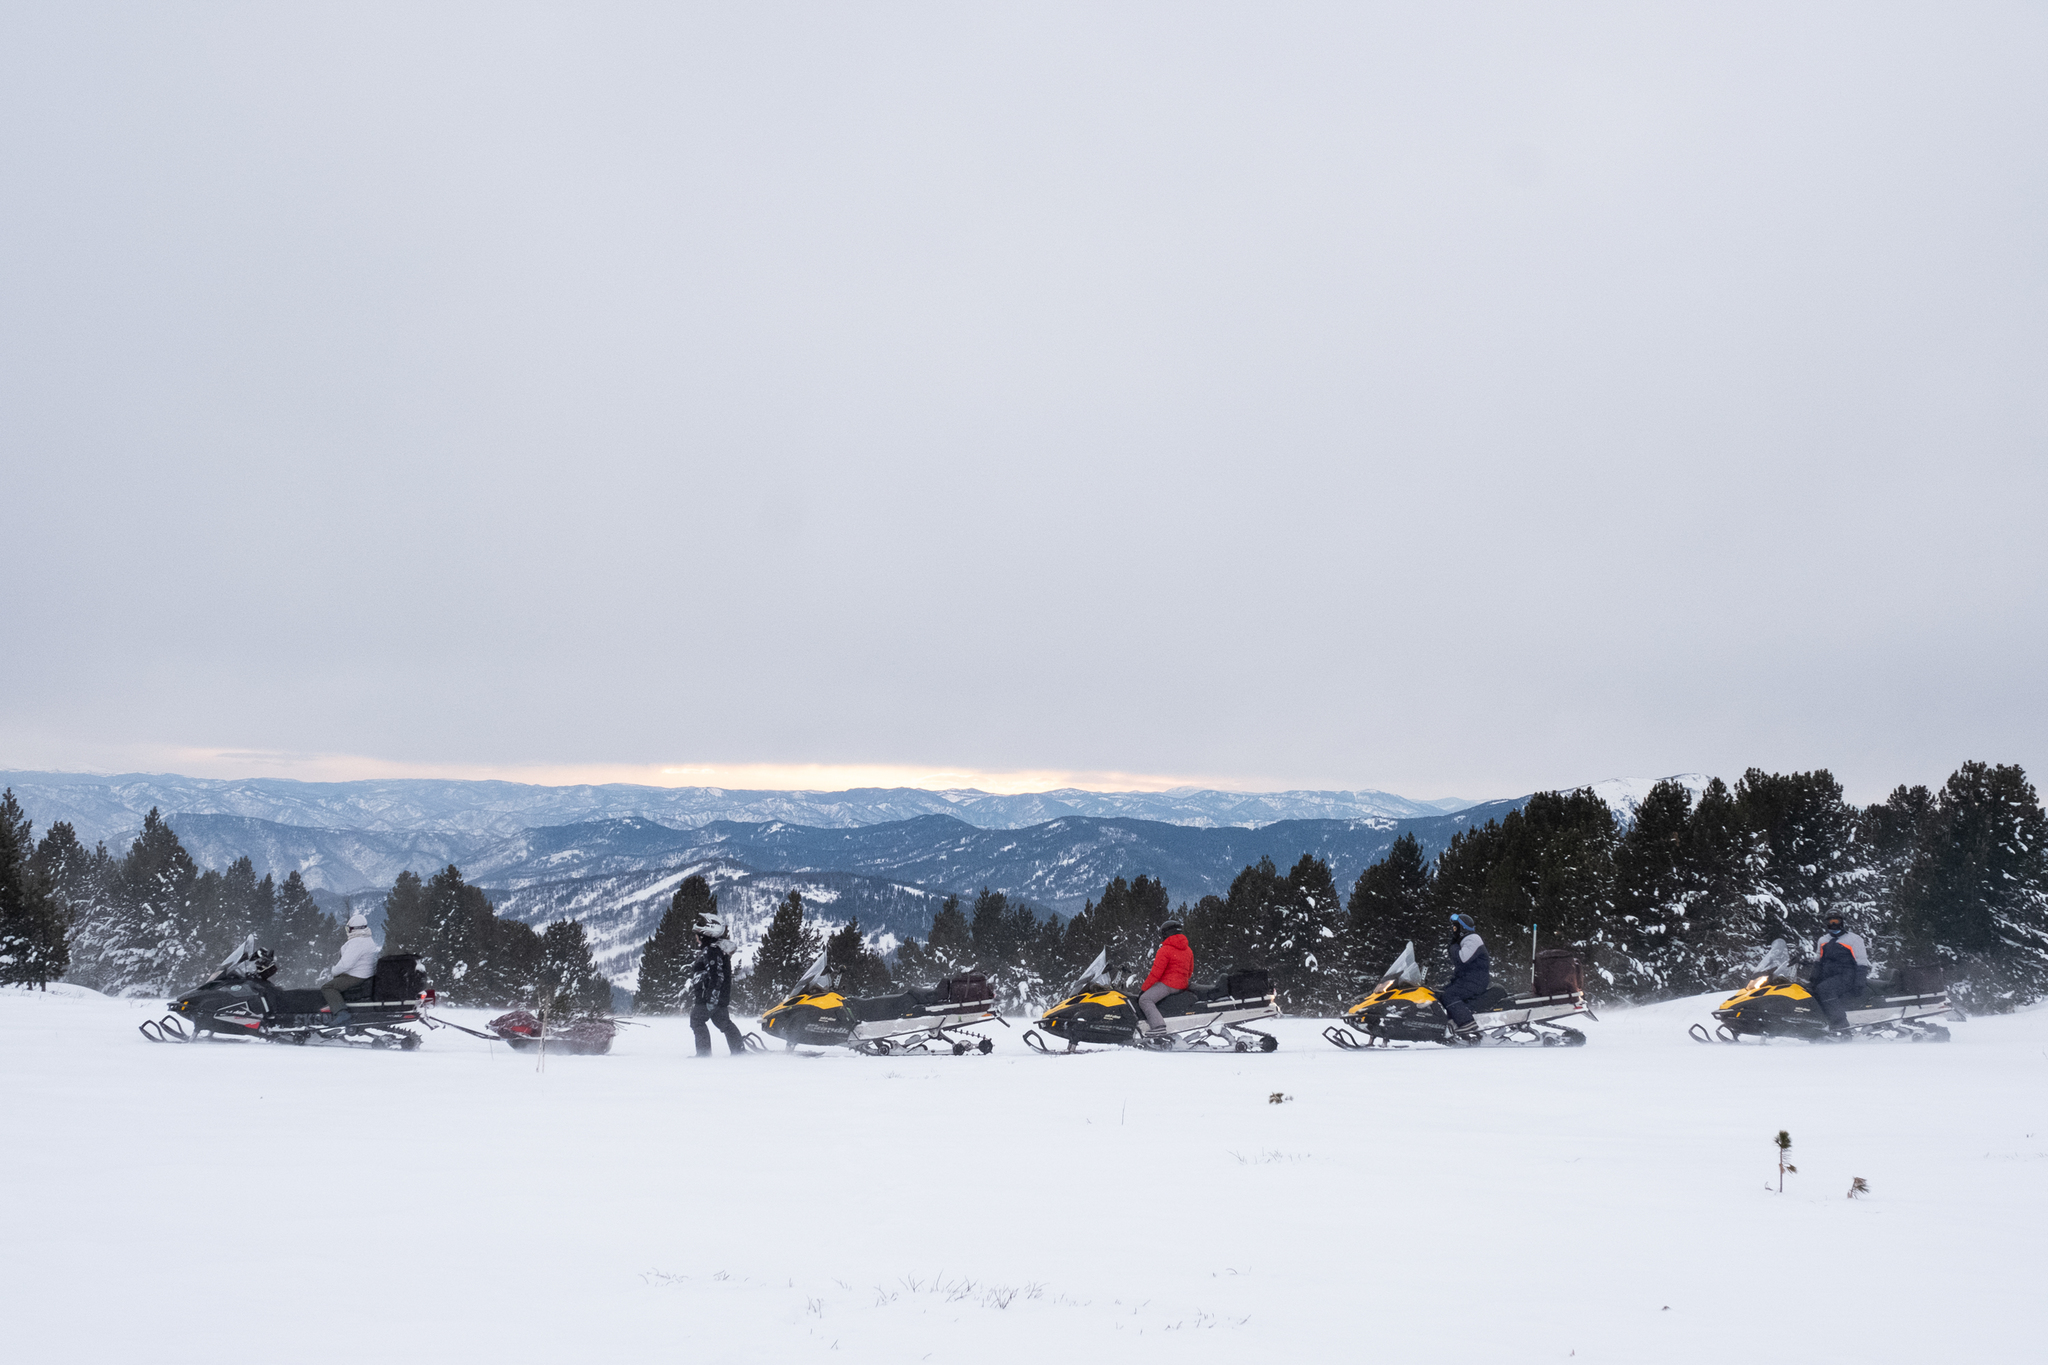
(711, 988)
(1471, 974)
(1173, 966)
(1841, 965)
(358, 964)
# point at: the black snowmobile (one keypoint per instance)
(920, 1019)
(1208, 1018)
(1403, 1010)
(1776, 1004)
(239, 1001)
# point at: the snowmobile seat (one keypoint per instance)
(1495, 998)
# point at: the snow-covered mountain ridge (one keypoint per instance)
(112, 807)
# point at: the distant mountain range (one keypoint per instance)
(111, 808)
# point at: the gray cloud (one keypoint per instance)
(1443, 400)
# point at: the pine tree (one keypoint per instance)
(859, 970)
(513, 971)
(32, 951)
(1976, 896)
(461, 929)
(1289, 925)
(81, 886)
(1808, 835)
(1124, 923)
(152, 946)
(1389, 908)
(666, 959)
(305, 937)
(786, 952)
(568, 983)
(408, 926)
(951, 945)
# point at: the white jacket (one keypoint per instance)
(358, 957)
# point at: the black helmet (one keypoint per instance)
(1170, 928)
(1836, 924)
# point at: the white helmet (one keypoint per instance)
(712, 927)
(358, 920)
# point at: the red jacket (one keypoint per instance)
(1173, 964)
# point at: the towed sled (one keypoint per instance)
(239, 1001)
(1776, 1004)
(1404, 1011)
(920, 1019)
(1208, 1018)
(589, 1035)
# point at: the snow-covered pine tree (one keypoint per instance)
(1389, 908)
(950, 948)
(858, 968)
(1290, 925)
(568, 983)
(666, 958)
(461, 930)
(511, 974)
(407, 927)
(1733, 915)
(32, 951)
(786, 952)
(1650, 950)
(1014, 948)
(1124, 923)
(1976, 896)
(1809, 846)
(80, 885)
(152, 947)
(305, 937)
(1889, 836)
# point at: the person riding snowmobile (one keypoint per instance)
(359, 953)
(711, 988)
(1471, 974)
(1173, 966)
(1841, 966)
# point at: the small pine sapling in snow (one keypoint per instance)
(1783, 1142)
(1857, 1185)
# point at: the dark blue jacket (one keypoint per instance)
(1470, 976)
(1841, 957)
(711, 977)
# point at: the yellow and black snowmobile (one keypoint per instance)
(1775, 1004)
(920, 1019)
(1208, 1017)
(1403, 1010)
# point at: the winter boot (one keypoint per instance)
(1469, 1034)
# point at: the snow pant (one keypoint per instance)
(1456, 1002)
(1829, 994)
(333, 989)
(1149, 1002)
(721, 1015)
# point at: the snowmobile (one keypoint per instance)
(1403, 1010)
(240, 1001)
(1775, 1004)
(1208, 1017)
(920, 1019)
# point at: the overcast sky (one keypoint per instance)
(1445, 399)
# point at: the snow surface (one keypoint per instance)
(1606, 1203)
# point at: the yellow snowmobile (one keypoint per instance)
(1776, 1004)
(1209, 1017)
(1403, 1010)
(919, 1019)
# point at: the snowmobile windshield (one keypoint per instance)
(242, 961)
(1777, 959)
(816, 975)
(1095, 973)
(1405, 969)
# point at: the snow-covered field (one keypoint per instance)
(1607, 1203)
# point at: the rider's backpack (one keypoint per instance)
(1247, 983)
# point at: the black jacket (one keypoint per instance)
(1842, 957)
(711, 977)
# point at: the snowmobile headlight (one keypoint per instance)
(1757, 983)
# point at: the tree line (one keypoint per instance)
(151, 922)
(1680, 899)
